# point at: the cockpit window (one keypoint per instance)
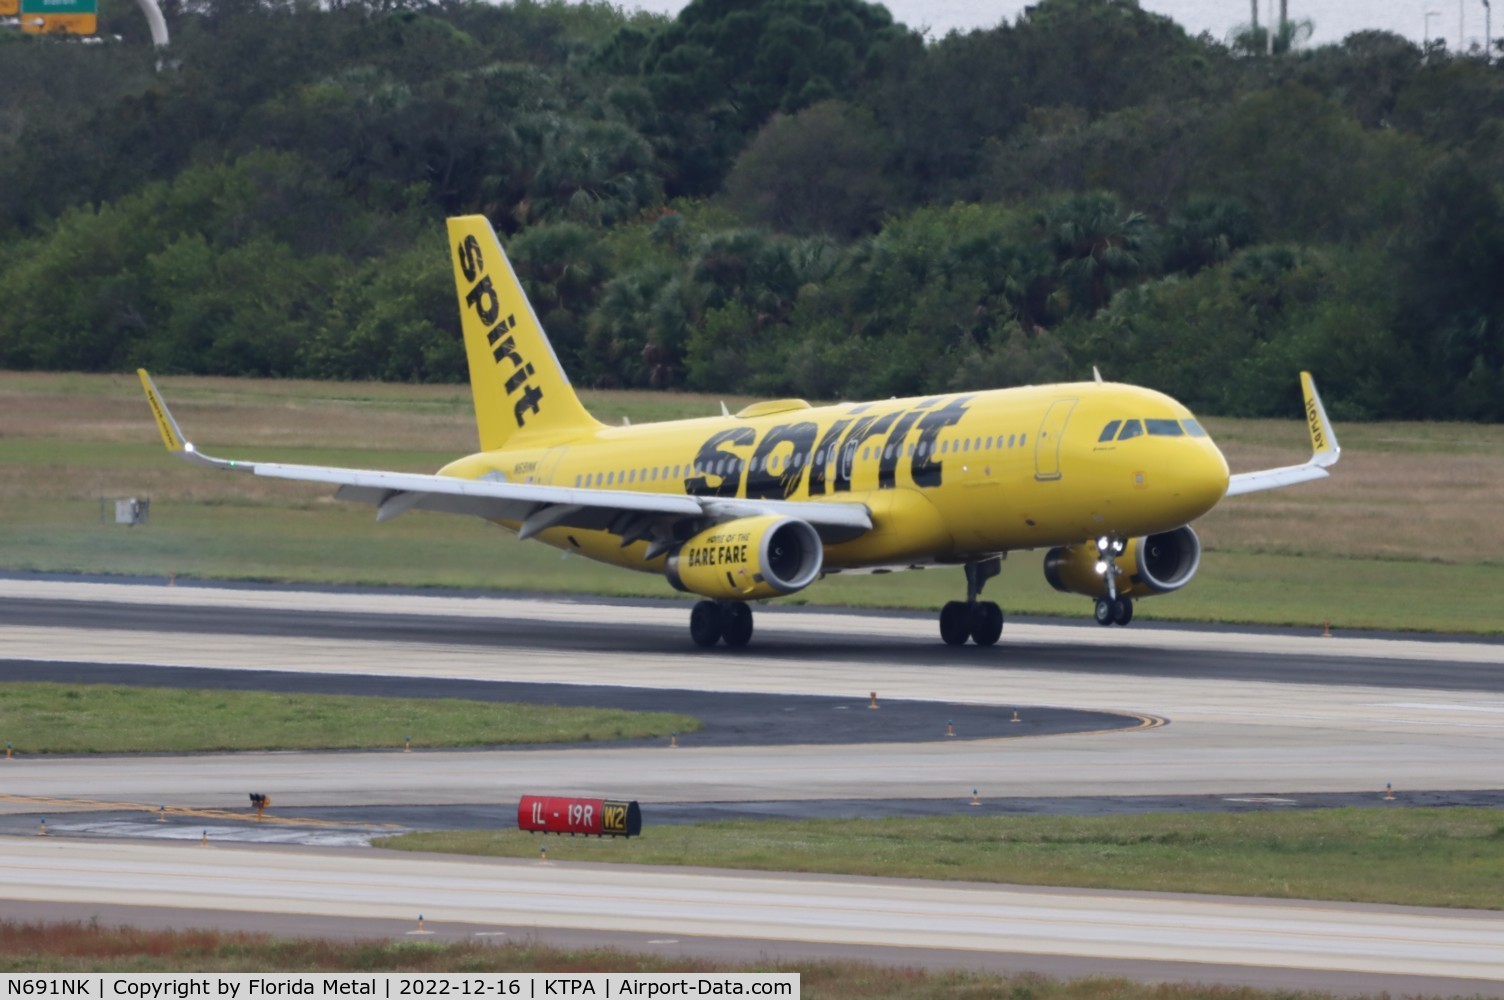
(1110, 431)
(1131, 429)
(1194, 429)
(1165, 428)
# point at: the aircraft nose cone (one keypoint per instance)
(1205, 480)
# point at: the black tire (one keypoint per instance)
(955, 623)
(986, 623)
(1104, 611)
(736, 623)
(1122, 611)
(705, 624)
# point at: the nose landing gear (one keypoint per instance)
(979, 621)
(1112, 609)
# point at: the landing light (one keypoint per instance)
(1102, 543)
(1101, 567)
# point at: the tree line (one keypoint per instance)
(789, 197)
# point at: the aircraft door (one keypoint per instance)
(547, 464)
(1047, 440)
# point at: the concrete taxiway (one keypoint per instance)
(1250, 715)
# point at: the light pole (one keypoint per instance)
(1429, 14)
(1488, 32)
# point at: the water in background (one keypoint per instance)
(1333, 19)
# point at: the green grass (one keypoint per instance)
(1418, 857)
(107, 718)
(321, 542)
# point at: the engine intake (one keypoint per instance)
(748, 558)
(1157, 564)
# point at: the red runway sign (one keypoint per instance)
(588, 817)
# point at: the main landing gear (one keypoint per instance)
(979, 621)
(711, 622)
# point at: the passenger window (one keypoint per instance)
(610, 478)
(655, 473)
(1010, 440)
(1165, 428)
(1110, 431)
(1022, 440)
(1194, 429)
(632, 476)
(799, 460)
(1131, 429)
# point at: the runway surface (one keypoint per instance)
(1250, 715)
(892, 912)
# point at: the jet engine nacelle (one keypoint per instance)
(748, 558)
(1157, 564)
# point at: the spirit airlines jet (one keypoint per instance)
(1106, 478)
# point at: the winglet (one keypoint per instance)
(172, 434)
(172, 437)
(1324, 447)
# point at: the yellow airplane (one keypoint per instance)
(764, 502)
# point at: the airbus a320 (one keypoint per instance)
(1106, 478)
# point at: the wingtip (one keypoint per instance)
(172, 435)
(1325, 450)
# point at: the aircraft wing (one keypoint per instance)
(535, 507)
(1324, 451)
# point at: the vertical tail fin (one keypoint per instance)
(520, 388)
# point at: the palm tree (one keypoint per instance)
(1098, 246)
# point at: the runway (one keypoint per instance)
(1249, 715)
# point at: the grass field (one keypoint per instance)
(63, 947)
(109, 718)
(1418, 857)
(1403, 536)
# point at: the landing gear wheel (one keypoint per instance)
(986, 623)
(955, 623)
(705, 624)
(1105, 612)
(736, 623)
(1122, 611)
